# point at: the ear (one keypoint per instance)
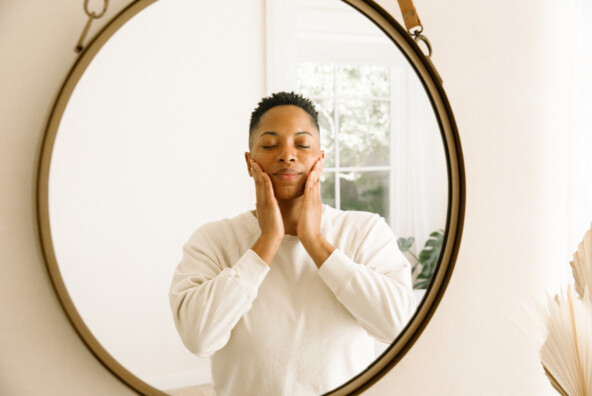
(323, 154)
(248, 160)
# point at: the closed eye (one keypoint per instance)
(269, 147)
(303, 147)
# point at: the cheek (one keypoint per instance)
(307, 169)
(262, 160)
(311, 161)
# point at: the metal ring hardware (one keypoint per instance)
(420, 37)
(417, 31)
(92, 14)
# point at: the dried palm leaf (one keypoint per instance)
(581, 265)
(566, 353)
(554, 382)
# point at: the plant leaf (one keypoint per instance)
(422, 284)
(405, 244)
(430, 254)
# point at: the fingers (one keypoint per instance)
(263, 186)
(319, 164)
(318, 168)
(259, 182)
(310, 216)
(313, 180)
(268, 211)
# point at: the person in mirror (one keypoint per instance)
(286, 299)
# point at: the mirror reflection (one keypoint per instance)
(151, 146)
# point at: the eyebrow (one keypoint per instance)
(276, 134)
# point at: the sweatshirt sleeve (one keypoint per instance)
(208, 296)
(373, 283)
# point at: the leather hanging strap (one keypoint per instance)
(409, 14)
(415, 28)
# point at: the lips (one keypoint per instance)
(287, 174)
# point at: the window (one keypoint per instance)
(355, 108)
(384, 152)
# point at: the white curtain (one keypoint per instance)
(419, 180)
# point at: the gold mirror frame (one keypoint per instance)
(454, 219)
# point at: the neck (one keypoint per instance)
(290, 210)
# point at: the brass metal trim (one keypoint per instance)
(454, 221)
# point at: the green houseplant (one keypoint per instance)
(425, 264)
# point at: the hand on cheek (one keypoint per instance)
(268, 211)
(309, 224)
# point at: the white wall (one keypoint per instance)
(503, 72)
(502, 68)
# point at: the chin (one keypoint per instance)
(288, 195)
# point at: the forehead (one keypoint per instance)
(285, 120)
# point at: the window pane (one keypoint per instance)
(315, 79)
(328, 188)
(367, 191)
(327, 130)
(363, 81)
(364, 137)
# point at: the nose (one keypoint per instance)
(287, 154)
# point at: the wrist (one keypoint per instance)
(270, 238)
(311, 239)
(318, 248)
(267, 246)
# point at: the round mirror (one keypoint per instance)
(146, 141)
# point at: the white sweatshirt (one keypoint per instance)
(290, 328)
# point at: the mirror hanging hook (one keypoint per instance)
(415, 29)
(417, 37)
(91, 15)
(413, 24)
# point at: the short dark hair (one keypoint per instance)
(283, 99)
